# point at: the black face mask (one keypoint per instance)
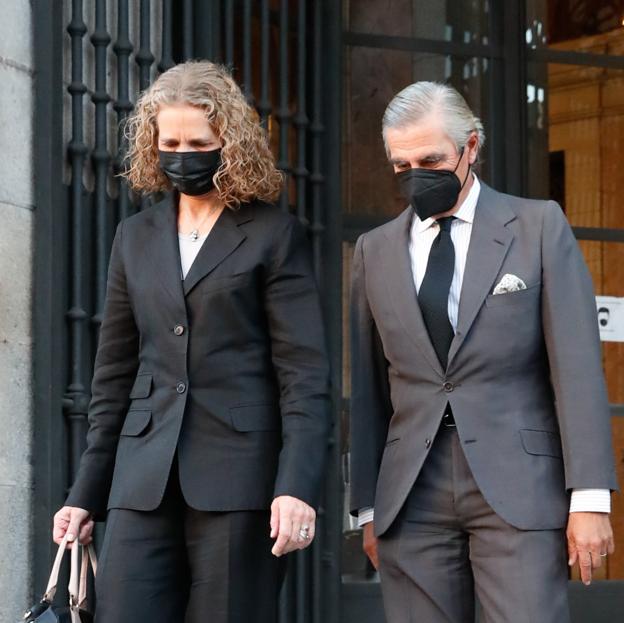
(431, 191)
(191, 172)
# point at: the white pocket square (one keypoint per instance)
(509, 283)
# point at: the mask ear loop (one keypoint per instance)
(463, 151)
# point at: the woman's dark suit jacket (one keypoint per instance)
(228, 367)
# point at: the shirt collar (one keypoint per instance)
(465, 213)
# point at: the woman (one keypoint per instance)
(209, 415)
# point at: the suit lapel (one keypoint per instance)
(489, 243)
(224, 238)
(400, 283)
(166, 250)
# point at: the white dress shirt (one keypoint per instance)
(422, 235)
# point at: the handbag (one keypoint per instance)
(45, 611)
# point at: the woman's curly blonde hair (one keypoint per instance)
(248, 167)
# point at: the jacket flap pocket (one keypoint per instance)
(142, 386)
(541, 442)
(137, 420)
(255, 417)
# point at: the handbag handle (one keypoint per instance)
(77, 579)
(88, 557)
(56, 567)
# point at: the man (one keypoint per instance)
(480, 421)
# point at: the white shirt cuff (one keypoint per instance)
(365, 515)
(590, 501)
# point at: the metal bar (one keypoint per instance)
(426, 46)
(599, 233)
(494, 77)
(300, 120)
(122, 106)
(264, 104)
(567, 57)
(76, 397)
(330, 513)
(50, 284)
(101, 158)
(616, 410)
(316, 135)
(515, 138)
(216, 35)
(166, 57)
(247, 42)
(283, 112)
(187, 29)
(229, 33)
(144, 57)
(207, 30)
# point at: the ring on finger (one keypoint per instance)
(604, 555)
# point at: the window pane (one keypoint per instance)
(588, 25)
(576, 129)
(453, 20)
(373, 77)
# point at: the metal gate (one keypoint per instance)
(92, 60)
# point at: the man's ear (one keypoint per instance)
(473, 148)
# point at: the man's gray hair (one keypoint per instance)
(421, 99)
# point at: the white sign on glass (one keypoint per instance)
(610, 318)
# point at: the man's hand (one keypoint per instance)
(369, 544)
(76, 521)
(290, 520)
(590, 539)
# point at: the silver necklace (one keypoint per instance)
(194, 233)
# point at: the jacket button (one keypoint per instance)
(448, 387)
(427, 443)
(178, 329)
(181, 387)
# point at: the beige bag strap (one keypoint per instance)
(77, 579)
(88, 557)
(56, 567)
(73, 586)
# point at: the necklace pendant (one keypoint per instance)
(194, 235)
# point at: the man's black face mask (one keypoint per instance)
(431, 191)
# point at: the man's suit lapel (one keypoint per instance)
(400, 283)
(489, 243)
(224, 238)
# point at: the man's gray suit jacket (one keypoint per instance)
(524, 376)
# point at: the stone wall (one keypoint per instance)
(16, 250)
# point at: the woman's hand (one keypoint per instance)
(291, 522)
(76, 521)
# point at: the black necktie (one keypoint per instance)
(434, 290)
